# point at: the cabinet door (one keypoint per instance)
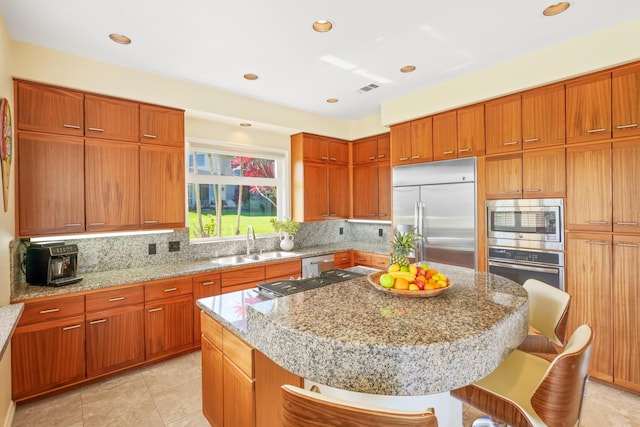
(111, 118)
(543, 173)
(503, 176)
(115, 339)
(212, 383)
(445, 136)
(365, 151)
(589, 108)
(365, 192)
(384, 191)
(589, 188)
(168, 326)
(338, 191)
(625, 101)
(162, 198)
(204, 285)
(44, 108)
(314, 148)
(343, 259)
(503, 124)
(626, 179)
(422, 140)
(50, 194)
(239, 397)
(47, 355)
(543, 117)
(471, 135)
(316, 193)
(401, 144)
(112, 186)
(626, 319)
(384, 147)
(588, 273)
(379, 261)
(161, 125)
(338, 152)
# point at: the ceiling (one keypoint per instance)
(214, 43)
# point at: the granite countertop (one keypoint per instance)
(354, 337)
(9, 316)
(105, 279)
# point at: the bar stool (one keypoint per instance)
(548, 315)
(527, 390)
(303, 408)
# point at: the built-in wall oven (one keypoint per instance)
(525, 240)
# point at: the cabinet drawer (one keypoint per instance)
(239, 352)
(211, 329)
(284, 269)
(242, 275)
(343, 259)
(379, 261)
(41, 311)
(114, 298)
(167, 288)
(361, 258)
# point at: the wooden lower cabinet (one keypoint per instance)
(204, 285)
(212, 386)
(343, 259)
(47, 355)
(239, 401)
(372, 260)
(168, 326)
(115, 339)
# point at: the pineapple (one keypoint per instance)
(402, 245)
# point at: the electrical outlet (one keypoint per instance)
(380, 232)
(152, 248)
(341, 230)
(174, 246)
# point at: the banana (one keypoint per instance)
(403, 274)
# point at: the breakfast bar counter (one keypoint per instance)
(354, 337)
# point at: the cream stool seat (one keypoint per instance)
(527, 390)
(303, 408)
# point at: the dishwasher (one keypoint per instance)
(313, 266)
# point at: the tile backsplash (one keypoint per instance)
(119, 252)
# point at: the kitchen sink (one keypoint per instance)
(236, 259)
(241, 259)
(275, 255)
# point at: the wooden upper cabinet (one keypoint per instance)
(326, 150)
(543, 117)
(503, 124)
(589, 108)
(43, 108)
(50, 184)
(589, 195)
(625, 178)
(112, 185)
(445, 136)
(384, 147)
(503, 177)
(543, 173)
(365, 151)
(161, 125)
(162, 197)
(401, 144)
(111, 118)
(421, 140)
(471, 131)
(625, 101)
(365, 192)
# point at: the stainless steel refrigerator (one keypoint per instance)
(439, 200)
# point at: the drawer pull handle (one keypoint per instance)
(628, 245)
(333, 159)
(403, 159)
(511, 143)
(446, 153)
(148, 135)
(372, 157)
(415, 157)
(96, 223)
(70, 126)
(170, 290)
(596, 130)
(51, 310)
(96, 129)
(324, 158)
(380, 156)
(598, 222)
(150, 221)
(68, 328)
(532, 140)
(626, 223)
(73, 224)
(332, 214)
(531, 190)
(209, 283)
(596, 242)
(383, 214)
(373, 214)
(464, 150)
(116, 299)
(344, 259)
(632, 125)
(153, 310)
(512, 191)
(95, 322)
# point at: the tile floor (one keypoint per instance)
(169, 394)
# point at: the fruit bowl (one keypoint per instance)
(374, 280)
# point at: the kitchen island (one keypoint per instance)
(350, 336)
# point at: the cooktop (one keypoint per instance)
(288, 287)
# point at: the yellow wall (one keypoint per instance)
(6, 230)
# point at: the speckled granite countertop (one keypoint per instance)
(105, 279)
(354, 337)
(9, 316)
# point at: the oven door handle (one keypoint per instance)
(523, 267)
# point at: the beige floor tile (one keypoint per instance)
(176, 402)
(64, 410)
(172, 373)
(195, 419)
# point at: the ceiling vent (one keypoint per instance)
(368, 88)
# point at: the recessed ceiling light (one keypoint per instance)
(555, 9)
(245, 125)
(332, 100)
(322, 25)
(408, 69)
(119, 38)
(250, 76)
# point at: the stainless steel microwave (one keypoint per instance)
(526, 223)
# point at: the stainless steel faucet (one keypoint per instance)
(251, 239)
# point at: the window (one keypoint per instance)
(230, 187)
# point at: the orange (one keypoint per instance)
(401, 284)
